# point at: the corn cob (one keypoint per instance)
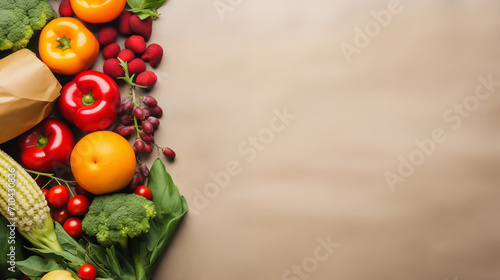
(22, 203)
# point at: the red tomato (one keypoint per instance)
(46, 194)
(73, 226)
(60, 215)
(87, 272)
(58, 196)
(78, 205)
(144, 192)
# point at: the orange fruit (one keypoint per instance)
(103, 162)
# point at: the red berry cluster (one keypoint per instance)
(136, 51)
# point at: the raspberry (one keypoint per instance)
(65, 9)
(112, 68)
(111, 50)
(123, 25)
(106, 35)
(154, 53)
(141, 27)
(136, 44)
(126, 55)
(136, 66)
(147, 79)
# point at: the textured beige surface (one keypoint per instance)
(265, 208)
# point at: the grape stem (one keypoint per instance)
(136, 124)
(130, 80)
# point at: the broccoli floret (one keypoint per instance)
(112, 219)
(19, 19)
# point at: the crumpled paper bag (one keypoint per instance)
(28, 91)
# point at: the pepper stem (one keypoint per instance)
(42, 141)
(63, 43)
(88, 99)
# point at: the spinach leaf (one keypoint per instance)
(69, 243)
(170, 208)
(36, 266)
(59, 256)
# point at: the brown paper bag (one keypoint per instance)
(28, 91)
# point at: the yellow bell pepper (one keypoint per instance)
(67, 46)
(98, 11)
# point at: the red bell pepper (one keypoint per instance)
(47, 146)
(90, 101)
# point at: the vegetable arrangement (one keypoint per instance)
(87, 207)
(19, 20)
(141, 228)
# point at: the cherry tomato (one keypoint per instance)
(78, 205)
(73, 226)
(144, 192)
(87, 272)
(58, 196)
(60, 215)
(46, 194)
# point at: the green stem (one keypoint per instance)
(138, 267)
(42, 141)
(88, 99)
(53, 177)
(134, 99)
(64, 43)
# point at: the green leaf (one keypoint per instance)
(96, 255)
(59, 256)
(136, 4)
(8, 243)
(36, 266)
(166, 195)
(169, 229)
(145, 8)
(112, 259)
(153, 4)
(170, 208)
(69, 243)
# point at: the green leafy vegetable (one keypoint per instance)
(19, 19)
(36, 266)
(145, 8)
(15, 242)
(171, 207)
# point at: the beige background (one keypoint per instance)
(320, 176)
